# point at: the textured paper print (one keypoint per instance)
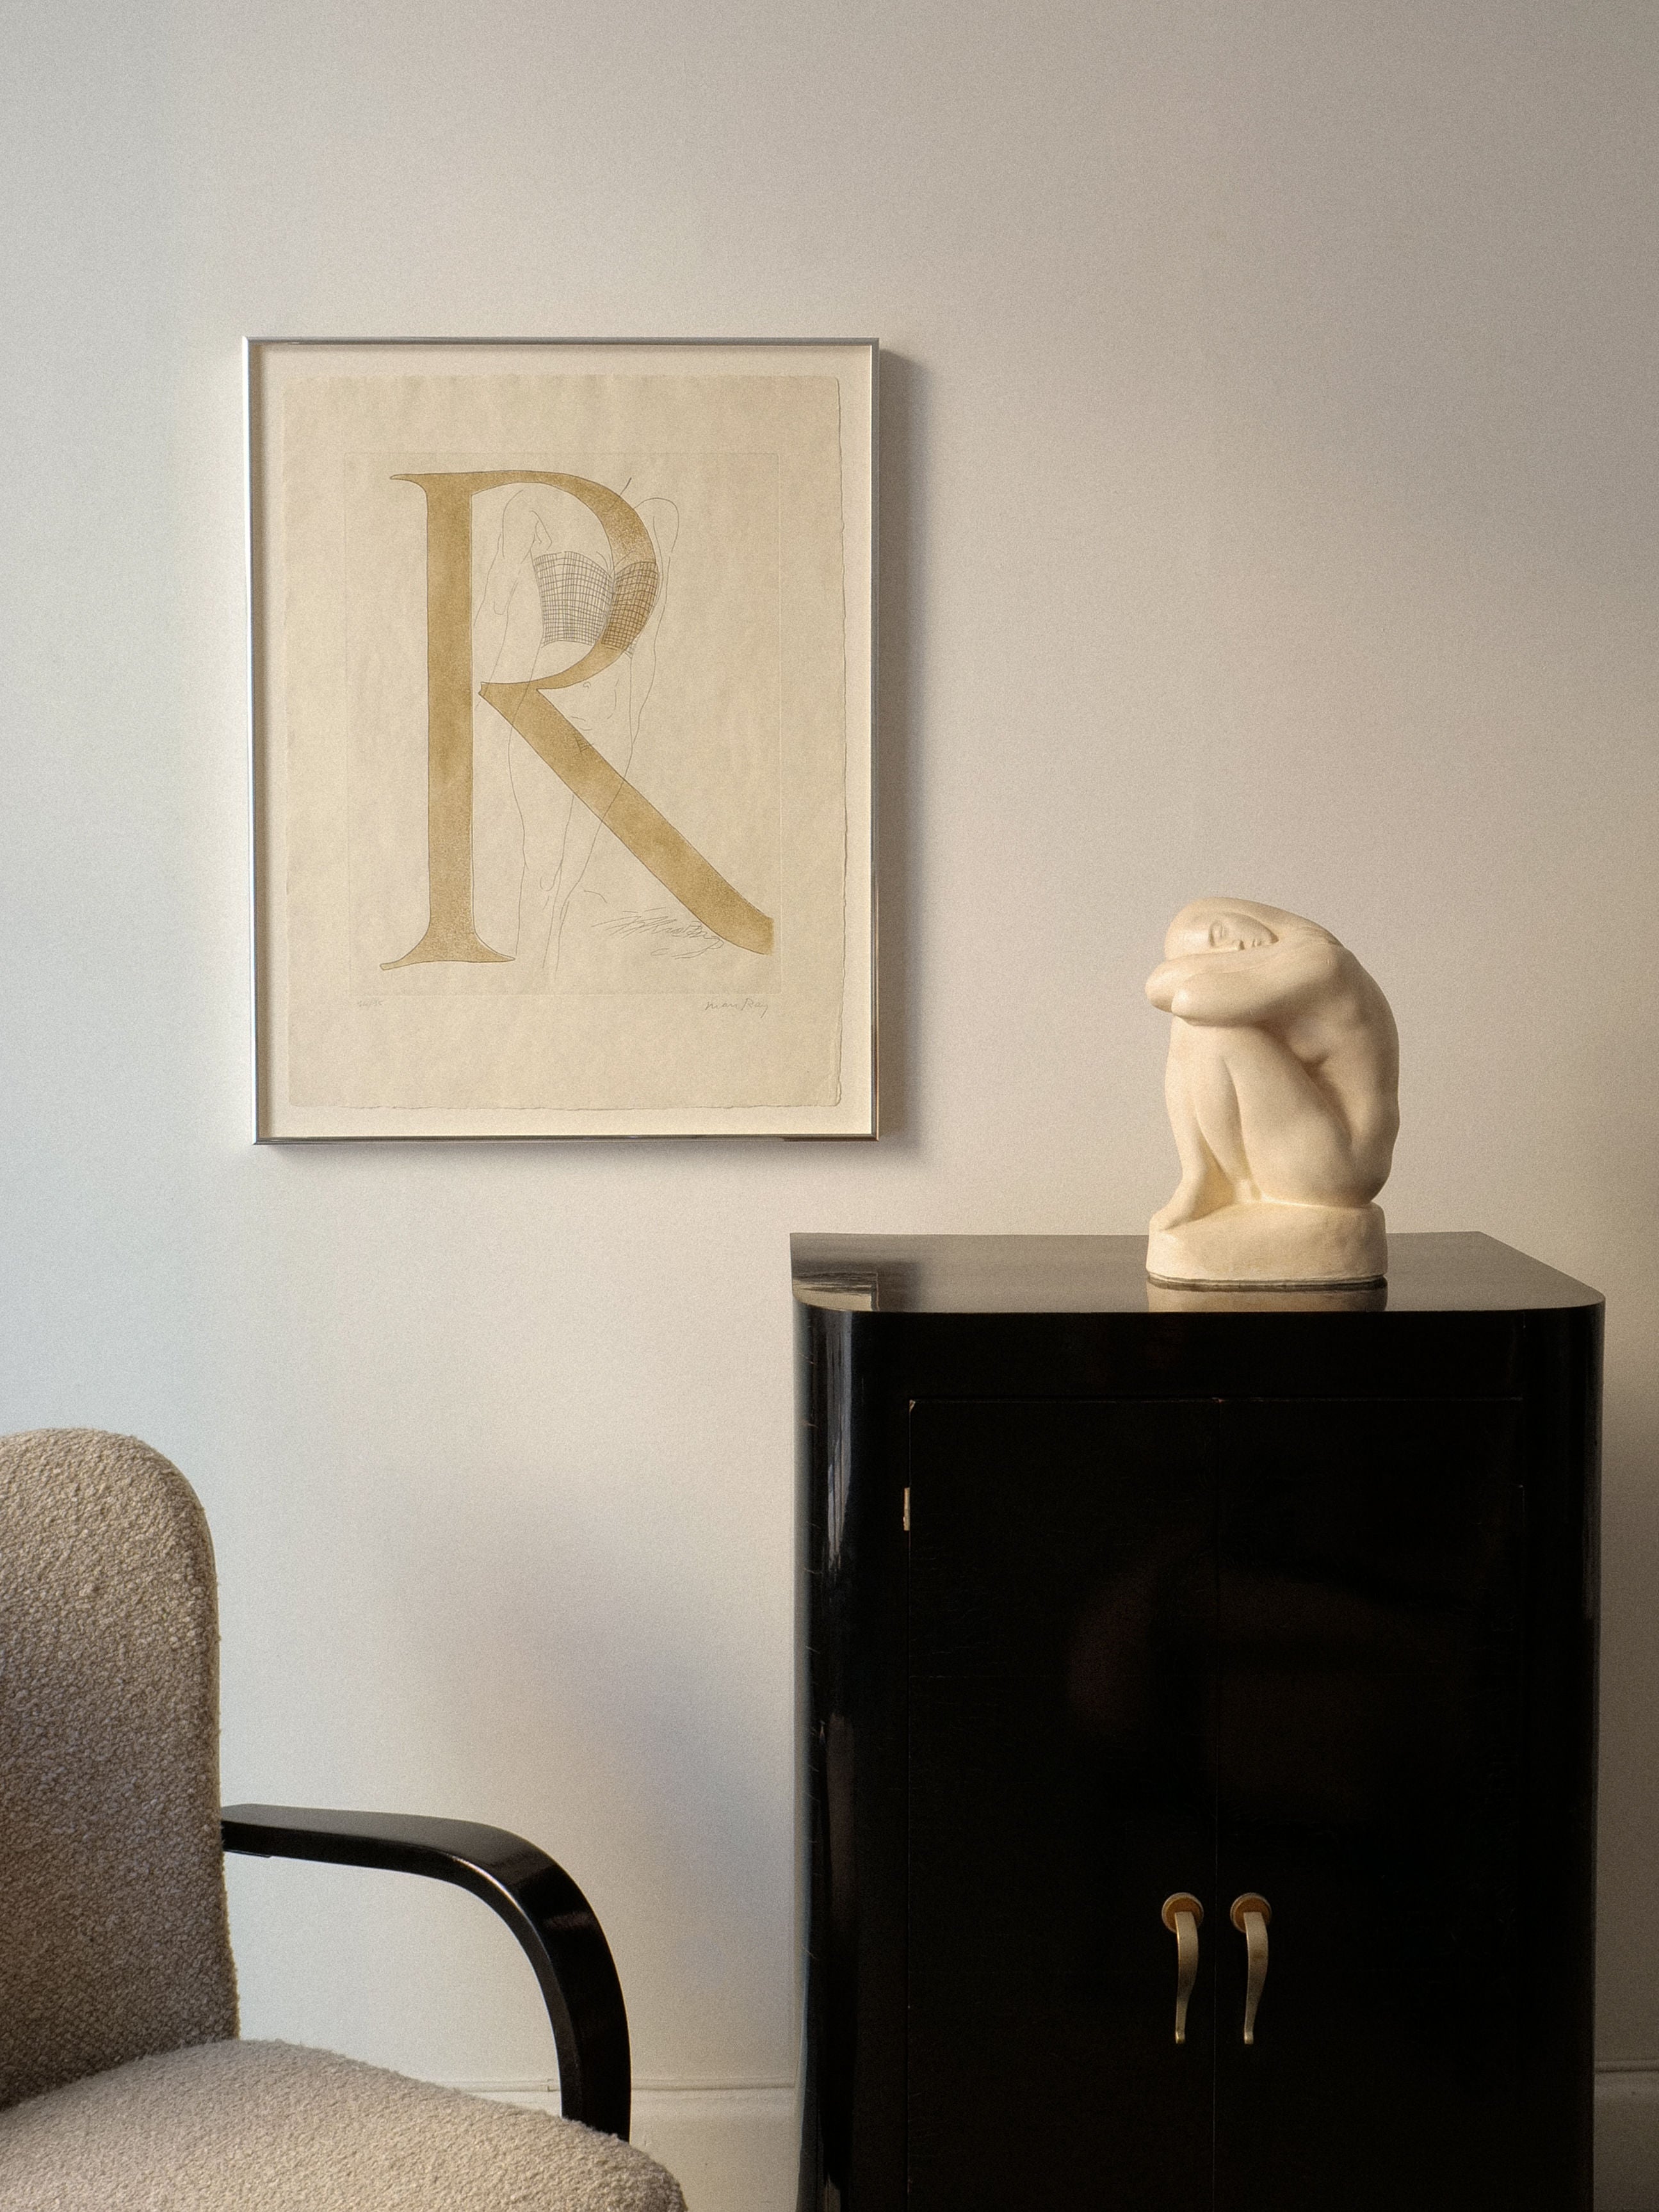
(564, 824)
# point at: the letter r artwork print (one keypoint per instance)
(562, 727)
(556, 615)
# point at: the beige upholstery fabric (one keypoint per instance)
(113, 1941)
(266, 2127)
(115, 1970)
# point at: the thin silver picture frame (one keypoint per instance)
(689, 429)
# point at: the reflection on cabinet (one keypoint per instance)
(1236, 1662)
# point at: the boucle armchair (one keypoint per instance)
(124, 2087)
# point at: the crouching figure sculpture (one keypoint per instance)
(1283, 1088)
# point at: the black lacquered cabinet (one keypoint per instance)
(1116, 1594)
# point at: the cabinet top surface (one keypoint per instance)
(1451, 1272)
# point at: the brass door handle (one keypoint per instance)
(1183, 1916)
(1250, 1916)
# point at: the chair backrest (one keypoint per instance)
(113, 1941)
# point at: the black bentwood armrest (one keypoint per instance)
(553, 1921)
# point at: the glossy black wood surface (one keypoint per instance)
(1062, 1781)
(1333, 1564)
(1372, 1717)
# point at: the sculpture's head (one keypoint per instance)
(1223, 925)
(1237, 932)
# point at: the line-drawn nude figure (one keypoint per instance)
(548, 594)
(1282, 1085)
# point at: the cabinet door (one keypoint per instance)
(1370, 1732)
(1062, 1773)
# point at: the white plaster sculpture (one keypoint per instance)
(1283, 1088)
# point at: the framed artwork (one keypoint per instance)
(561, 659)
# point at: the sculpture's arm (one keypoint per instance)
(1226, 990)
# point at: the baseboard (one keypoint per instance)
(733, 2147)
(1628, 2136)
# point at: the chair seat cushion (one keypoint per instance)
(271, 2127)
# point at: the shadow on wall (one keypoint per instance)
(588, 1670)
(902, 558)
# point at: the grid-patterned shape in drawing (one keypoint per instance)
(577, 594)
(635, 591)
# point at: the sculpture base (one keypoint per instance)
(1270, 1245)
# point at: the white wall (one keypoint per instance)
(1269, 503)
